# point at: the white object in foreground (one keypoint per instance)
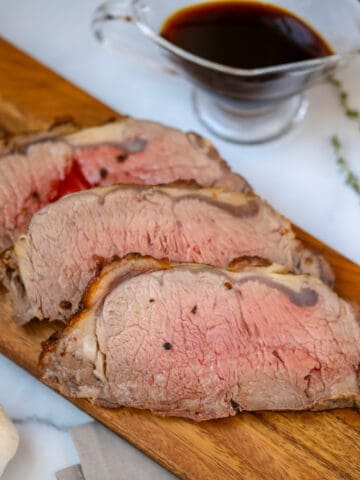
(9, 440)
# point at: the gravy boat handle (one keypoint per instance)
(114, 25)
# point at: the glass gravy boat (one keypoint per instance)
(244, 106)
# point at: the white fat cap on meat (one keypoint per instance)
(9, 440)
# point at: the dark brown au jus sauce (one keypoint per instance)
(244, 34)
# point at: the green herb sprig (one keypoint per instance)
(349, 111)
(350, 178)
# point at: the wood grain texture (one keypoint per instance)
(257, 446)
(32, 97)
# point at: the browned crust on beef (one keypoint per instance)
(49, 345)
(212, 152)
(140, 263)
(240, 263)
(60, 127)
(350, 401)
(188, 184)
(8, 264)
(20, 142)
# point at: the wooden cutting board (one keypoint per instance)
(250, 446)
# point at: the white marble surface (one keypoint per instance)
(296, 173)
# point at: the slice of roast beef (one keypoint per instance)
(206, 342)
(66, 239)
(127, 151)
(27, 183)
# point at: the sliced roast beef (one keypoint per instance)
(206, 342)
(66, 239)
(27, 183)
(147, 153)
(128, 151)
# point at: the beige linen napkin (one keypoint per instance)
(105, 456)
